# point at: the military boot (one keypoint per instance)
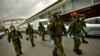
(84, 41)
(43, 40)
(33, 45)
(21, 53)
(55, 53)
(78, 51)
(18, 55)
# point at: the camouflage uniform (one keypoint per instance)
(29, 32)
(42, 31)
(55, 29)
(75, 29)
(15, 36)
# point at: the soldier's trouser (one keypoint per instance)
(43, 36)
(58, 45)
(82, 36)
(31, 39)
(17, 46)
(39, 33)
(77, 42)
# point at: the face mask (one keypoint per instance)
(12, 28)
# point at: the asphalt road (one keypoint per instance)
(45, 48)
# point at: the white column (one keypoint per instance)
(62, 10)
(92, 2)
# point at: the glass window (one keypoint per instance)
(98, 20)
(93, 21)
(96, 1)
(45, 16)
(78, 4)
(67, 7)
(57, 10)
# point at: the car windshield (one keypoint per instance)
(99, 21)
(93, 21)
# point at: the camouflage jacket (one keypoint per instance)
(56, 28)
(29, 30)
(41, 28)
(14, 35)
(74, 27)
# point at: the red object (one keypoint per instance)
(74, 13)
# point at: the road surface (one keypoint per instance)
(45, 48)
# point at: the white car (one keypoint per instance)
(93, 26)
(1, 34)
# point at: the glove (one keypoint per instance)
(70, 36)
(52, 42)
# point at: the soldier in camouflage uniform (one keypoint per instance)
(55, 29)
(41, 29)
(15, 36)
(82, 26)
(30, 32)
(76, 27)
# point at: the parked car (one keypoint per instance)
(93, 26)
(2, 34)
